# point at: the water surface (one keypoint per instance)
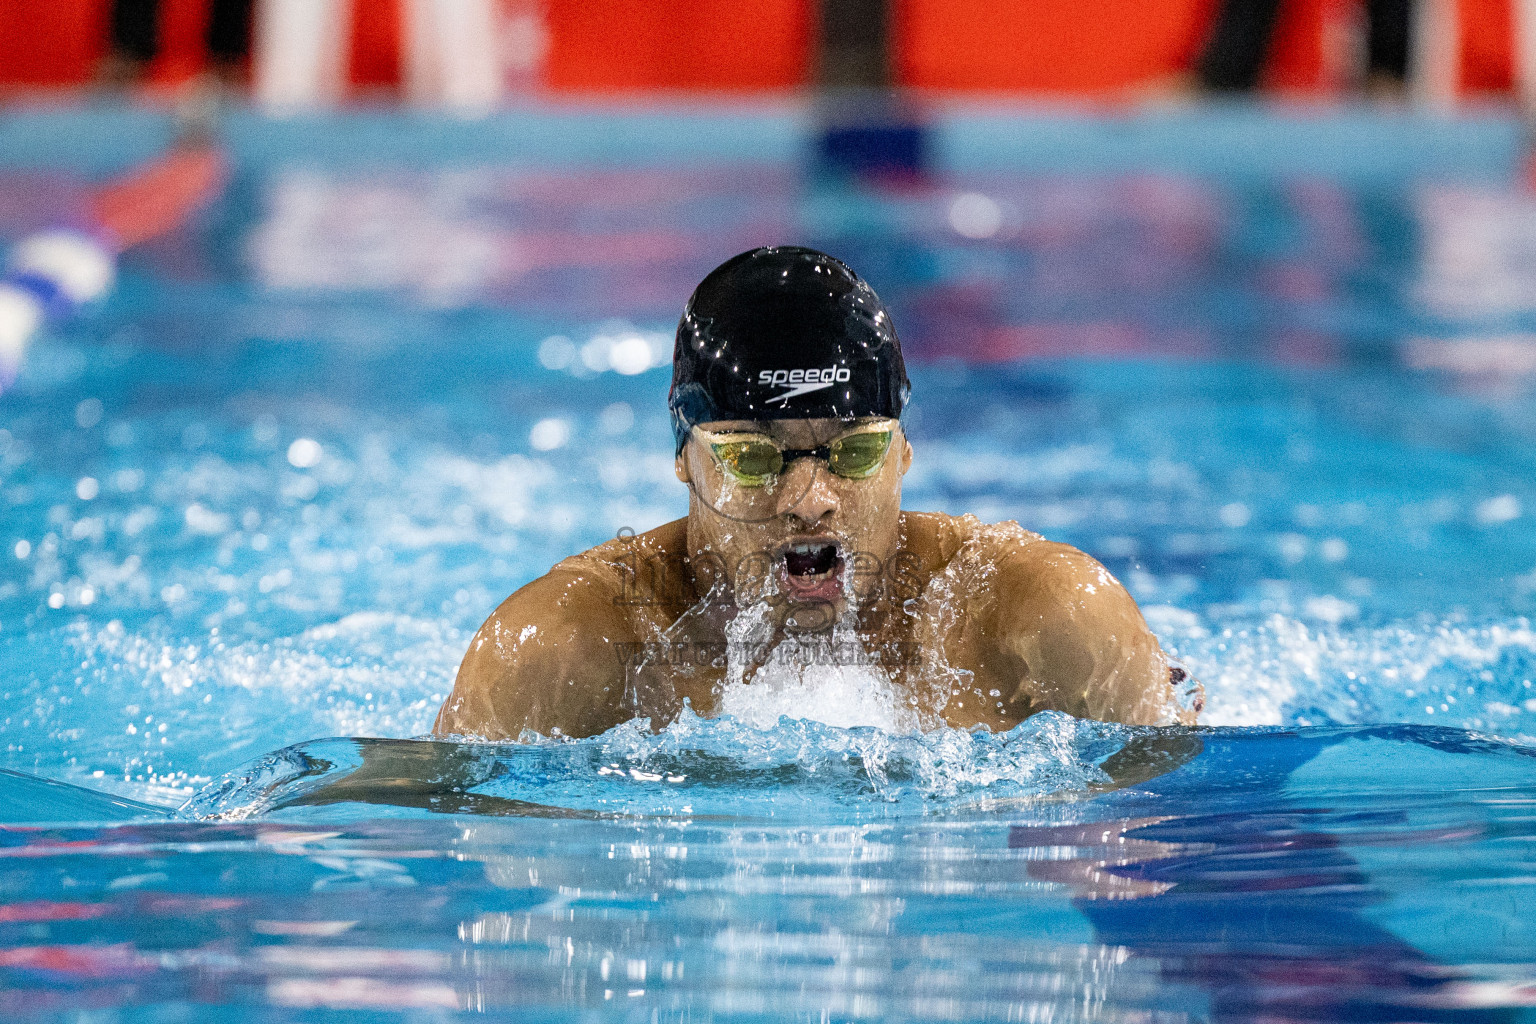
(255, 505)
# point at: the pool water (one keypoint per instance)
(1276, 371)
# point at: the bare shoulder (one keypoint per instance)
(1059, 572)
(1062, 589)
(943, 542)
(552, 656)
(992, 561)
(1018, 573)
(954, 544)
(1077, 633)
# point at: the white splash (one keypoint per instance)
(824, 678)
(844, 696)
(1287, 671)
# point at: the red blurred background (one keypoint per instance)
(1104, 49)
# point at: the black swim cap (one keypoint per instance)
(784, 333)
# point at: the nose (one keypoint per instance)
(806, 492)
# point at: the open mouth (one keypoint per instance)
(811, 559)
(813, 570)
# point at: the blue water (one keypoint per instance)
(1275, 370)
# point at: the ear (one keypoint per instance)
(906, 455)
(680, 466)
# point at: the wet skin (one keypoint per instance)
(975, 624)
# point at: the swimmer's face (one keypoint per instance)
(797, 531)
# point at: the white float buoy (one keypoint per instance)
(21, 314)
(52, 272)
(77, 266)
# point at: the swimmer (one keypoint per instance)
(787, 393)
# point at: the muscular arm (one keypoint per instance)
(551, 657)
(1081, 644)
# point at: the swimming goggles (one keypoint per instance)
(753, 459)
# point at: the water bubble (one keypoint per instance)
(301, 488)
(549, 434)
(1330, 609)
(594, 354)
(556, 352)
(1441, 510)
(23, 549)
(275, 581)
(88, 413)
(616, 418)
(138, 520)
(1498, 510)
(1235, 515)
(630, 355)
(1334, 549)
(201, 519)
(1293, 546)
(1307, 516)
(1116, 547)
(304, 453)
(86, 488)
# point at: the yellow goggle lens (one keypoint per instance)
(755, 461)
(858, 456)
(749, 463)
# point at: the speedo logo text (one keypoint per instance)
(803, 381)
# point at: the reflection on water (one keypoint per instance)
(1254, 874)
